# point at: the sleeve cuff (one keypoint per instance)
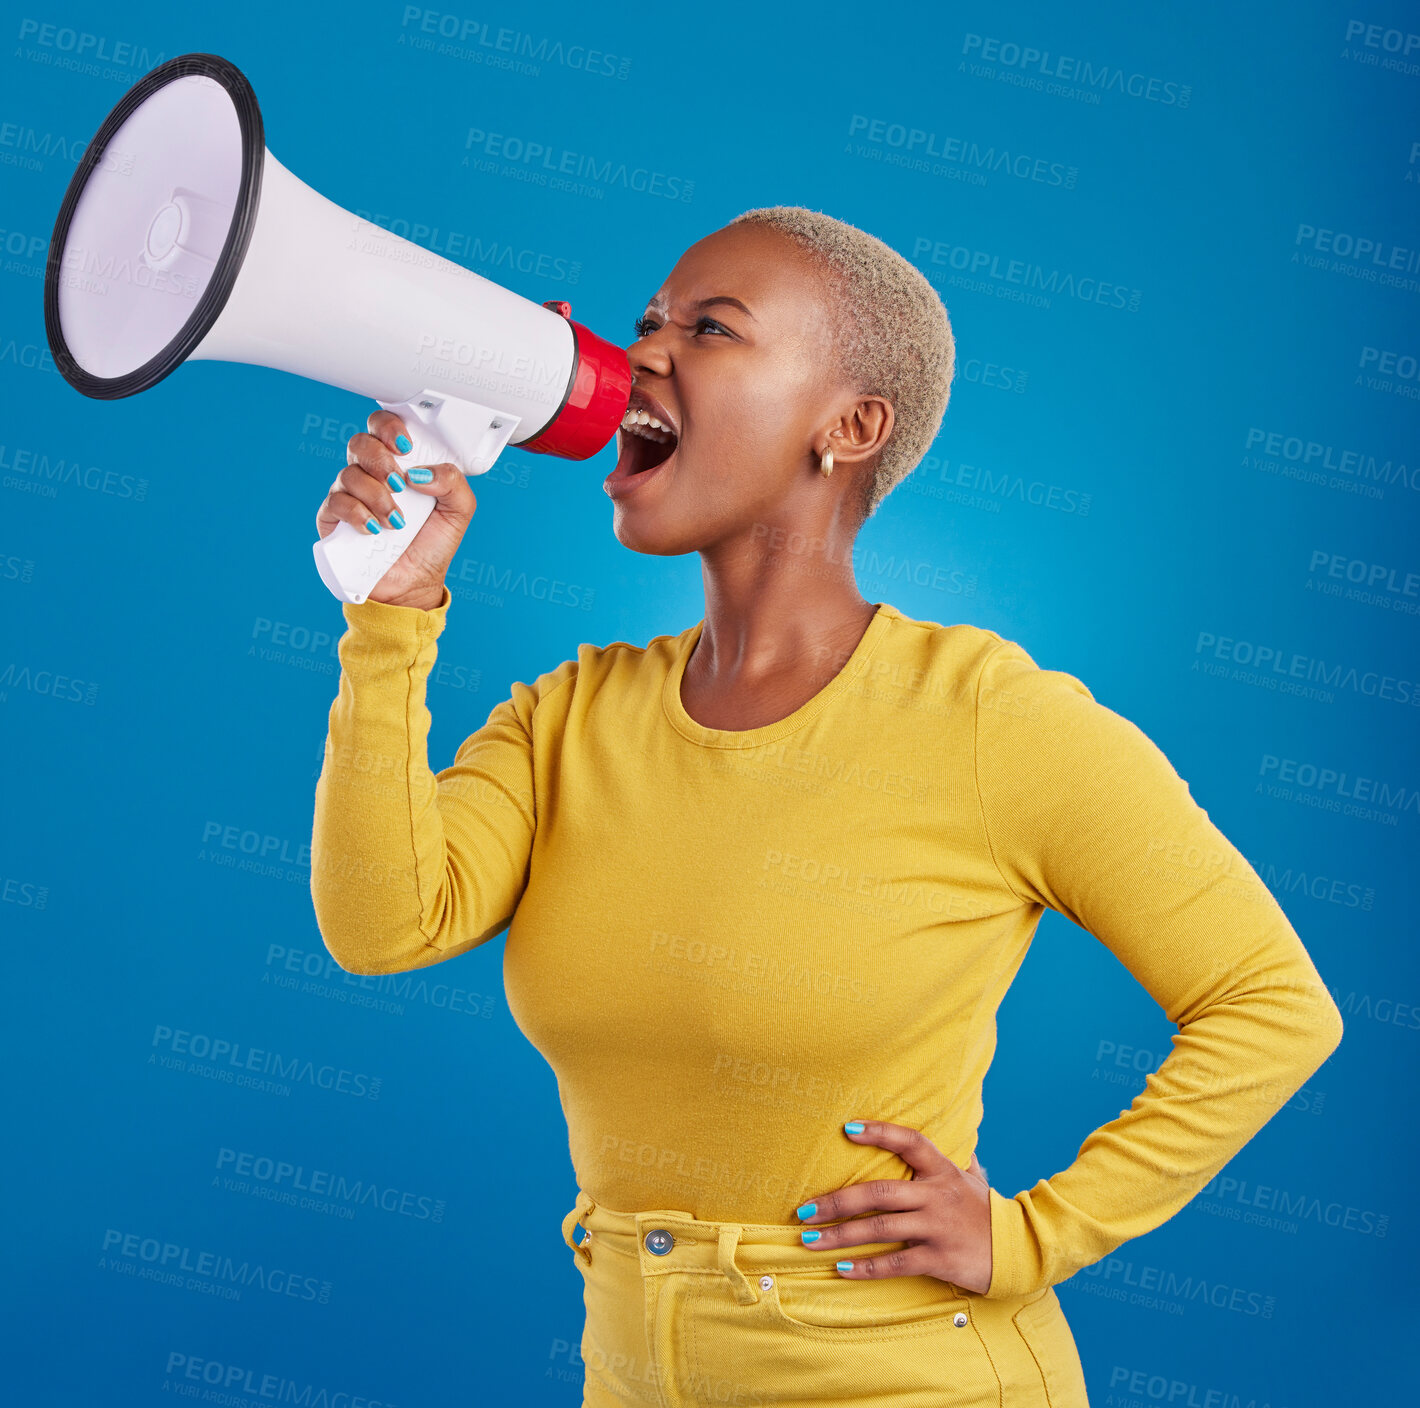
(397, 625)
(1014, 1261)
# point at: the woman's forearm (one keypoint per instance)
(1233, 1066)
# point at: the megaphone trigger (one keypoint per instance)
(450, 429)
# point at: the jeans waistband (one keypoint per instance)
(741, 1251)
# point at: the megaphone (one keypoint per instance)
(182, 238)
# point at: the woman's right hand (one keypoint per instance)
(362, 490)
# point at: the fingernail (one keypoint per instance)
(844, 1265)
(372, 525)
(396, 519)
(853, 1127)
(394, 481)
(420, 475)
(808, 1210)
(810, 1234)
(403, 444)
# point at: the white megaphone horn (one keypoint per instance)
(181, 237)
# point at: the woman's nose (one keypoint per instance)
(651, 354)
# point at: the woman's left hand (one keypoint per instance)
(942, 1213)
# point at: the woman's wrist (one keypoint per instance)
(420, 601)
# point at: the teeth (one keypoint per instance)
(643, 423)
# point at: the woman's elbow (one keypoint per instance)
(371, 947)
(1319, 1026)
(365, 958)
(1331, 1028)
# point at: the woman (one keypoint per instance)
(770, 877)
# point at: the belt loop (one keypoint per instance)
(729, 1237)
(584, 1205)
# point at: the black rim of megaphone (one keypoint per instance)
(229, 262)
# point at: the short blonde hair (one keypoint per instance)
(897, 340)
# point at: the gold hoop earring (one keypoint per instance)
(825, 462)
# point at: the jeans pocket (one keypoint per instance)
(1042, 1325)
(911, 1341)
(830, 1305)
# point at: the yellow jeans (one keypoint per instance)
(684, 1312)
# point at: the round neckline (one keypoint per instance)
(766, 733)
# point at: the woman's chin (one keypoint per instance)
(648, 526)
(637, 532)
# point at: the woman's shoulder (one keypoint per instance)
(659, 650)
(978, 655)
(954, 644)
(593, 665)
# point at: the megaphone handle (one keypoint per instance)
(351, 562)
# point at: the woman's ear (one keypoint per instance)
(861, 430)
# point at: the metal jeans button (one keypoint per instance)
(959, 1319)
(659, 1242)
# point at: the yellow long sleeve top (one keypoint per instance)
(727, 942)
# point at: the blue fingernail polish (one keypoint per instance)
(810, 1234)
(403, 444)
(394, 481)
(845, 1265)
(420, 475)
(853, 1127)
(372, 525)
(808, 1210)
(396, 519)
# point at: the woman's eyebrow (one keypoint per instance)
(657, 304)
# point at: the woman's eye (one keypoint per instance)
(644, 327)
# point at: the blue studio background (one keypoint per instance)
(1178, 245)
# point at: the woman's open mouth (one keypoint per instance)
(646, 446)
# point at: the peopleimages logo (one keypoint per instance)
(1259, 1201)
(1275, 660)
(1162, 1288)
(1041, 63)
(24, 147)
(1366, 249)
(1370, 583)
(919, 143)
(457, 244)
(62, 47)
(540, 160)
(1174, 1393)
(505, 45)
(233, 1383)
(45, 474)
(1318, 462)
(213, 1273)
(1333, 785)
(222, 1058)
(1398, 372)
(1382, 47)
(282, 1181)
(978, 269)
(1298, 880)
